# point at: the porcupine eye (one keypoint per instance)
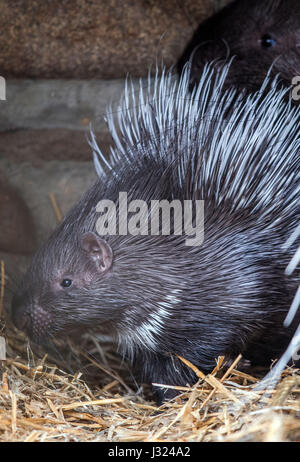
(267, 41)
(66, 283)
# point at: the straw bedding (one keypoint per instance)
(42, 400)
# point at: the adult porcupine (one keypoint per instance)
(158, 295)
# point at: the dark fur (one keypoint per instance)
(237, 31)
(231, 292)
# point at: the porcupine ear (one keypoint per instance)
(98, 250)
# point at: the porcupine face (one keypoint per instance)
(62, 287)
(259, 34)
(59, 298)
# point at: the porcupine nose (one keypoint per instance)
(20, 314)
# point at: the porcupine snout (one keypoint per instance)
(22, 315)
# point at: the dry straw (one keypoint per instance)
(100, 400)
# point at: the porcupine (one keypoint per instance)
(160, 297)
(263, 36)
